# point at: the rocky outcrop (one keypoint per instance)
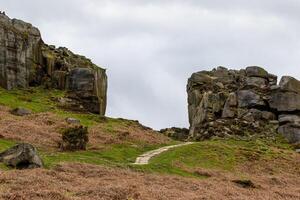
(21, 156)
(25, 60)
(20, 53)
(226, 102)
(175, 133)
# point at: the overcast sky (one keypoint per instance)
(151, 47)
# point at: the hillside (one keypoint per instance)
(105, 171)
(57, 143)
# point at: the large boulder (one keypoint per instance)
(25, 60)
(258, 75)
(285, 101)
(255, 71)
(248, 99)
(290, 84)
(291, 132)
(257, 82)
(21, 156)
(286, 98)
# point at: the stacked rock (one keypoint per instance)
(285, 99)
(242, 102)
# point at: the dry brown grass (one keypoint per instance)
(43, 130)
(133, 133)
(273, 180)
(39, 129)
(82, 181)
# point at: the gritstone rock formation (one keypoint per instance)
(25, 60)
(243, 102)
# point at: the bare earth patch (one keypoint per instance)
(82, 181)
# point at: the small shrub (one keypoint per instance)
(74, 138)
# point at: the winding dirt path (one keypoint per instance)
(144, 158)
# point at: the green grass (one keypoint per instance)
(5, 144)
(184, 161)
(35, 99)
(112, 155)
(40, 100)
(215, 154)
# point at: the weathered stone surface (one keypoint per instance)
(229, 110)
(257, 82)
(289, 118)
(20, 111)
(291, 132)
(285, 101)
(286, 97)
(21, 156)
(25, 60)
(290, 84)
(201, 78)
(20, 53)
(248, 99)
(255, 71)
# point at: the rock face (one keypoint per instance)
(226, 102)
(25, 60)
(21, 156)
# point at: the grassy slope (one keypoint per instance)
(120, 155)
(225, 155)
(39, 100)
(216, 154)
